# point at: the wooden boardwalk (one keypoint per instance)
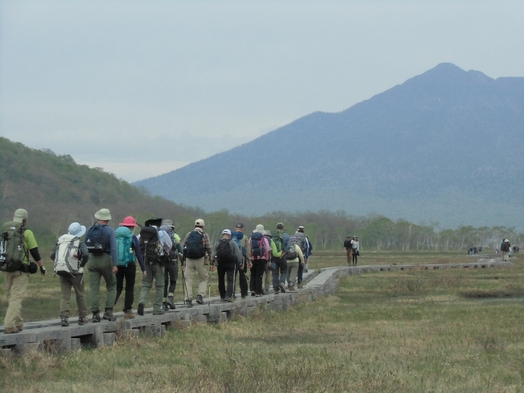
(49, 335)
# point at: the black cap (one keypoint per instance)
(280, 226)
(239, 225)
(154, 221)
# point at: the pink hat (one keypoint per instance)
(129, 222)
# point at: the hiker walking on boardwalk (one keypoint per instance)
(505, 248)
(226, 255)
(129, 252)
(196, 245)
(243, 244)
(294, 258)
(349, 250)
(171, 266)
(15, 265)
(103, 262)
(356, 250)
(260, 257)
(70, 256)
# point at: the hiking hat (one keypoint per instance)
(268, 233)
(75, 229)
(226, 232)
(280, 226)
(153, 222)
(199, 222)
(168, 223)
(300, 228)
(20, 215)
(129, 221)
(103, 215)
(259, 228)
(239, 225)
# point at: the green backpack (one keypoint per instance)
(124, 246)
(12, 247)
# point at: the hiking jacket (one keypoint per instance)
(300, 256)
(237, 254)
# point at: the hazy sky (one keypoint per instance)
(141, 88)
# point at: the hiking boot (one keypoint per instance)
(228, 299)
(300, 286)
(170, 302)
(253, 293)
(140, 310)
(82, 320)
(96, 317)
(108, 315)
(189, 303)
(165, 307)
(129, 314)
(159, 312)
(200, 299)
(282, 287)
(64, 321)
(11, 330)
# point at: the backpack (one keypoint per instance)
(301, 241)
(12, 247)
(150, 246)
(194, 248)
(237, 237)
(291, 252)
(97, 241)
(257, 249)
(277, 239)
(124, 246)
(224, 253)
(67, 262)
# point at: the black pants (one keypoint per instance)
(242, 279)
(279, 273)
(257, 275)
(170, 277)
(355, 255)
(226, 271)
(128, 273)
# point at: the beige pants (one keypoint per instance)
(195, 266)
(16, 285)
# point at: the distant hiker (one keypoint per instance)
(70, 256)
(103, 262)
(155, 245)
(128, 248)
(356, 250)
(226, 255)
(171, 267)
(279, 271)
(349, 250)
(294, 258)
(260, 257)
(268, 273)
(196, 245)
(505, 248)
(306, 247)
(16, 243)
(243, 243)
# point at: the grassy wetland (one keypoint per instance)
(451, 330)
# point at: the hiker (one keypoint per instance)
(171, 266)
(294, 258)
(226, 255)
(128, 248)
(241, 269)
(70, 256)
(155, 245)
(505, 248)
(279, 263)
(349, 250)
(356, 250)
(268, 273)
(260, 257)
(103, 260)
(196, 246)
(16, 280)
(306, 247)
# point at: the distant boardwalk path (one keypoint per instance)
(49, 335)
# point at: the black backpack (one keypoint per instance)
(291, 251)
(224, 253)
(12, 247)
(97, 241)
(150, 246)
(257, 249)
(195, 246)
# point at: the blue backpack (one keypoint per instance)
(124, 246)
(237, 237)
(257, 249)
(97, 241)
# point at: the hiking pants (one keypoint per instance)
(292, 270)
(129, 275)
(257, 274)
(170, 277)
(279, 273)
(66, 283)
(101, 265)
(242, 280)
(349, 255)
(15, 285)
(196, 266)
(300, 273)
(355, 255)
(267, 278)
(505, 255)
(154, 271)
(226, 271)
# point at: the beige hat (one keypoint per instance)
(20, 215)
(199, 222)
(103, 215)
(260, 228)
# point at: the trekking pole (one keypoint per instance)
(187, 301)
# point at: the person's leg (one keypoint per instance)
(159, 286)
(130, 277)
(230, 273)
(259, 275)
(78, 285)
(190, 271)
(110, 279)
(221, 284)
(120, 276)
(65, 297)
(147, 283)
(202, 274)
(94, 285)
(16, 284)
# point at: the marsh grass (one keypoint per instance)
(398, 331)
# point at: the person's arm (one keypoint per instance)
(138, 253)
(84, 254)
(300, 255)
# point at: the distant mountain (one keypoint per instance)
(444, 146)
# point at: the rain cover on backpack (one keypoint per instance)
(12, 247)
(67, 261)
(124, 246)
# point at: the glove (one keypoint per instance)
(42, 270)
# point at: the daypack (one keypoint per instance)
(291, 252)
(277, 239)
(12, 247)
(67, 262)
(124, 246)
(237, 237)
(301, 241)
(150, 246)
(257, 248)
(195, 246)
(97, 241)
(224, 253)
